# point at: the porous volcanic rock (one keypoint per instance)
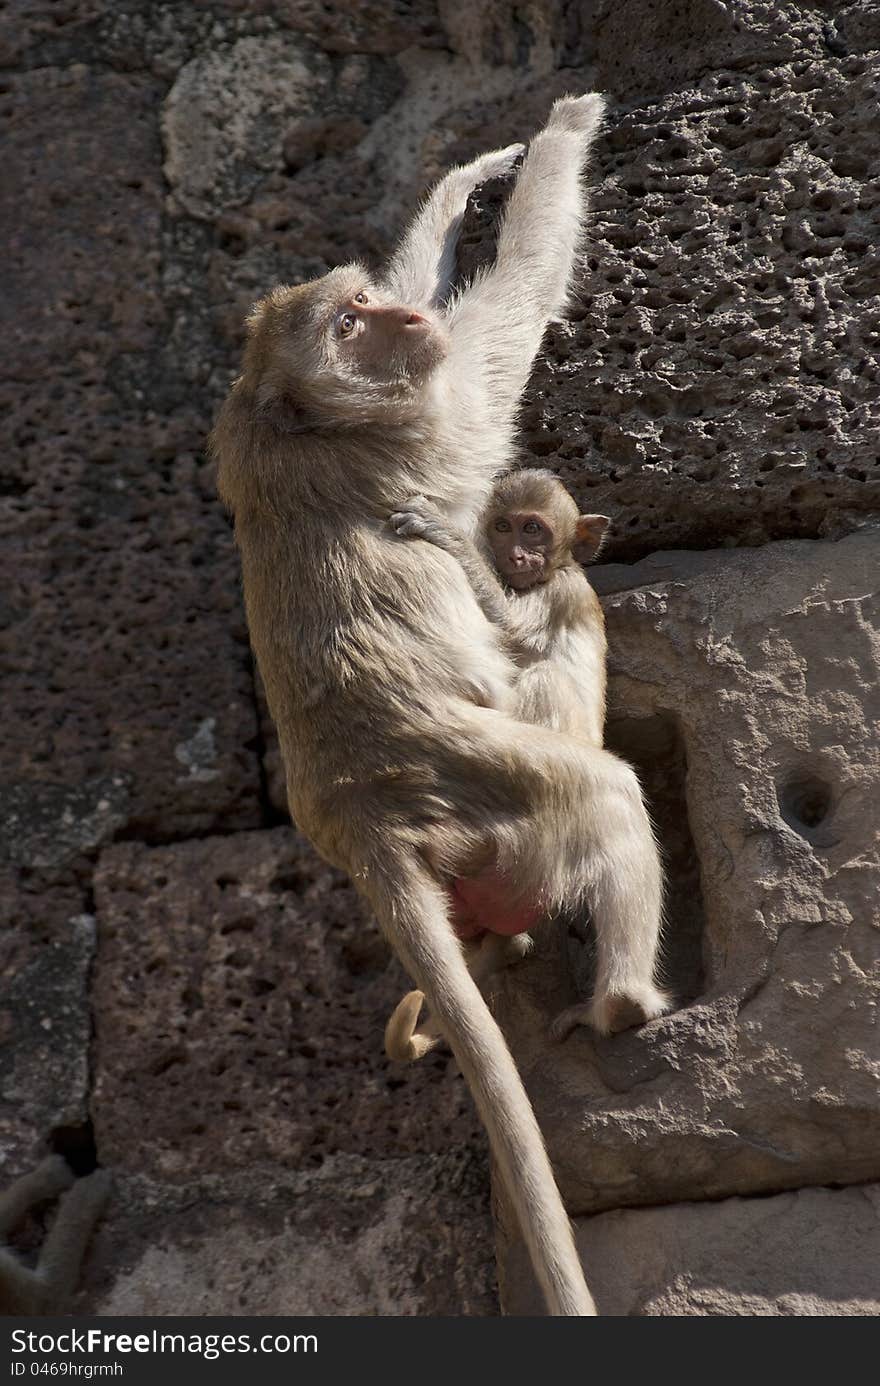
(404, 1235)
(124, 646)
(46, 952)
(719, 380)
(240, 996)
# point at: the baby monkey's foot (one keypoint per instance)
(403, 1041)
(613, 1012)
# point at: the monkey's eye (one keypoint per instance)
(360, 298)
(502, 526)
(531, 527)
(346, 324)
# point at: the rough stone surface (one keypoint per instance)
(758, 670)
(124, 648)
(240, 995)
(813, 1253)
(720, 381)
(45, 1025)
(405, 1236)
(715, 385)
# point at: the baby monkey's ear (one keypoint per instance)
(589, 536)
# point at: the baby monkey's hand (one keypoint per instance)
(419, 520)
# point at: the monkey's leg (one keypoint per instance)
(586, 840)
(627, 907)
(626, 901)
(51, 1177)
(66, 1241)
(22, 1290)
(413, 911)
(422, 268)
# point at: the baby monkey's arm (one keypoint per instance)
(421, 521)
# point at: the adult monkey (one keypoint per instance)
(386, 682)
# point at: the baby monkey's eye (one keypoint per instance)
(347, 324)
(502, 526)
(360, 298)
(531, 527)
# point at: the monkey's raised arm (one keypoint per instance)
(498, 323)
(420, 521)
(422, 268)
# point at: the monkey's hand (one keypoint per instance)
(423, 268)
(576, 115)
(419, 520)
(492, 165)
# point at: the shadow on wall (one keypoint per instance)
(655, 748)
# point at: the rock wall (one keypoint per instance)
(186, 994)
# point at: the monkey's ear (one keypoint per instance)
(589, 536)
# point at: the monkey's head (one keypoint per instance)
(339, 351)
(533, 528)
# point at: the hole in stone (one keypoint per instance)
(76, 1144)
(655, 749)
(289, 880)
(804, 803)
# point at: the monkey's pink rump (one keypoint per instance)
(481, 905)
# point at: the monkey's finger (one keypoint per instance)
(409, 526)
(422, 1043)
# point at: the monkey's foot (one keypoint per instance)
(403, 1042)
(515, 949)
(613, 1012)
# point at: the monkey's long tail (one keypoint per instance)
(412, 911)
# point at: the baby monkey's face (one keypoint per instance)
(522, 544)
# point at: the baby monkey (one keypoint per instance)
(536, 591)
